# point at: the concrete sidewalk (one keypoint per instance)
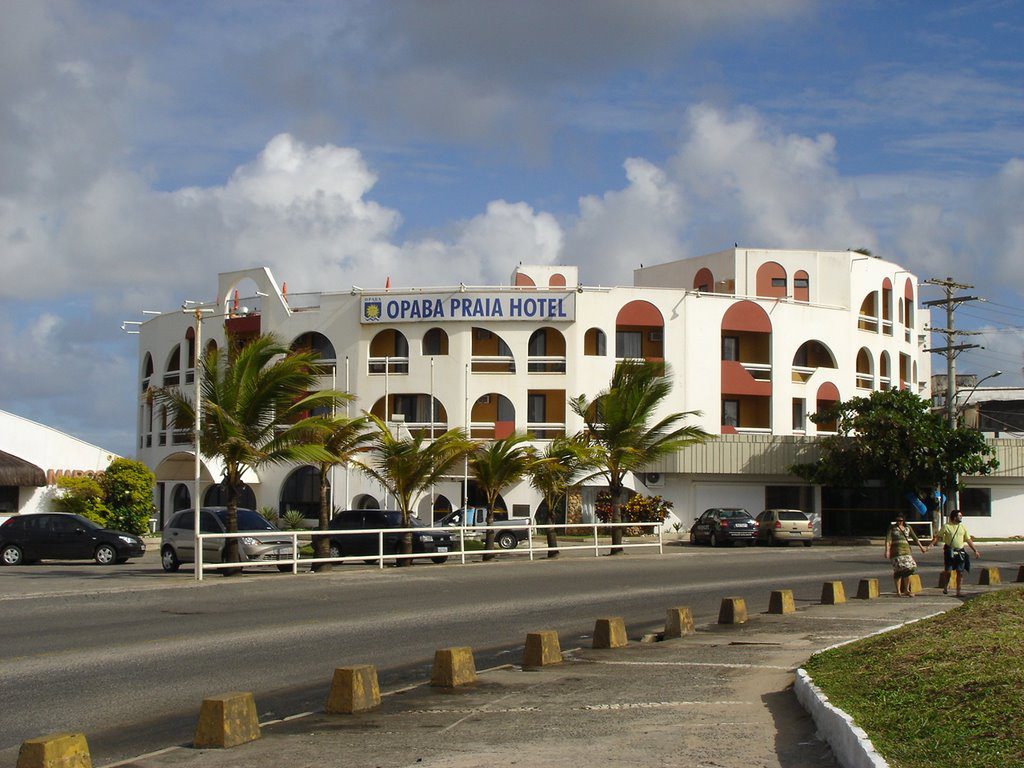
(719, 697)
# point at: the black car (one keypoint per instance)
(60, 536)
(429, 542)
(719, 525)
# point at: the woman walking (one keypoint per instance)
(897, 549)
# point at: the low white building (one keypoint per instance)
(758, 340)
(33, 456)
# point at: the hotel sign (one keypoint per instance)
(543, 306)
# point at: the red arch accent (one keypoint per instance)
(522, 279)
(887, 283)
(746, 316)
(704, 277)
(802, 293)
(640, 312)
(557, 280)
(828, 393)
(908, 290)
(765, 273)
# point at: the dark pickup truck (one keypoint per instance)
(509, 530)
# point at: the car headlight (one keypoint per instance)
(128, 540)
(426, 537)
(249, 541)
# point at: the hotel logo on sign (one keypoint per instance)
(490, 307)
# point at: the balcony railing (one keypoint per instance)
(753, 430)
(181, 437)
(887, 327)
(867, 323)
(759, 371)
(172, 378)
(389, 365)
(545, 430)
(802, 373)
(865, 381)
(493, 364)
(545, 364)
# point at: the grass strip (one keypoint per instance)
(946, 691)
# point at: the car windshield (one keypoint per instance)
(247, 520)
(733, 513)
(785, 514)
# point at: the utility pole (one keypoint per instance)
(951, 348)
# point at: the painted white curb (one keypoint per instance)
(851, 746)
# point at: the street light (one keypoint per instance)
(959, 409)
(955, 412)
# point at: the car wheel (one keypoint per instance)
(169, 560)
(772, 541)
(693, 538)
(807, 543)
(335, 550)
(370, 561)
(439, 560)
(12, 555)
(284, 568)
(507, 540)
(105, 554)
(713, 541)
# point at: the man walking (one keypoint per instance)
(955, 561)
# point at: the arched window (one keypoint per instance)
(546, 351)
(147, 371)
(301, 491)
(801, 286)
(908, 300)
(435, 342)
(181, 497)
(414, 409)
(828, 395)
(595, 343)
(365, 501)
(639, 332)
(493, 417)
(865, 372)
(809, 357)
(172, 372)
(557, 280)
(868, 319)
(318, 344)
(490, 353)
(389, 348)
(704, 280)
(884, 372)
(524, 280)
(771, 280)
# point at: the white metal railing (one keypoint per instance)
(545, 430)
(758, 371)
(887, 327)
(391, 365)
(494, 363)
(545, 364)
(754, 430)
(867, 323)
(293, 537)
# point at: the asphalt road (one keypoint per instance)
(126, 653)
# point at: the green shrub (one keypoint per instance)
(128, 494)
(292, 520)
(81, 496)
(638, 509)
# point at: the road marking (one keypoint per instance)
(659, 704)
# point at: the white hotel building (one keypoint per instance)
(757, 341)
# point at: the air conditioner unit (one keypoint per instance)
(484, 399)
(654, 336)
(654, 480)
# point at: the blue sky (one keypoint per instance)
(147, 146)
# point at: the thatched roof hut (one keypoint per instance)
(15, 471)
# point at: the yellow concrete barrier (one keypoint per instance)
(832, 593)
(989, 577)
(732, 611)
(678, 622)
(781, 601)
(867, 589)
(542, 649)
(610, 633)
(353, 689)
(58, 750)
(226, 721)
(914, 583)
(1020, 574)
(453, 667)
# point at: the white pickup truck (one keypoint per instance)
(509, 531)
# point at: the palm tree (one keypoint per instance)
(407, 467)
(255, 404)
(496, 466)
(555, 472)
(342, 438)
(619, 422)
